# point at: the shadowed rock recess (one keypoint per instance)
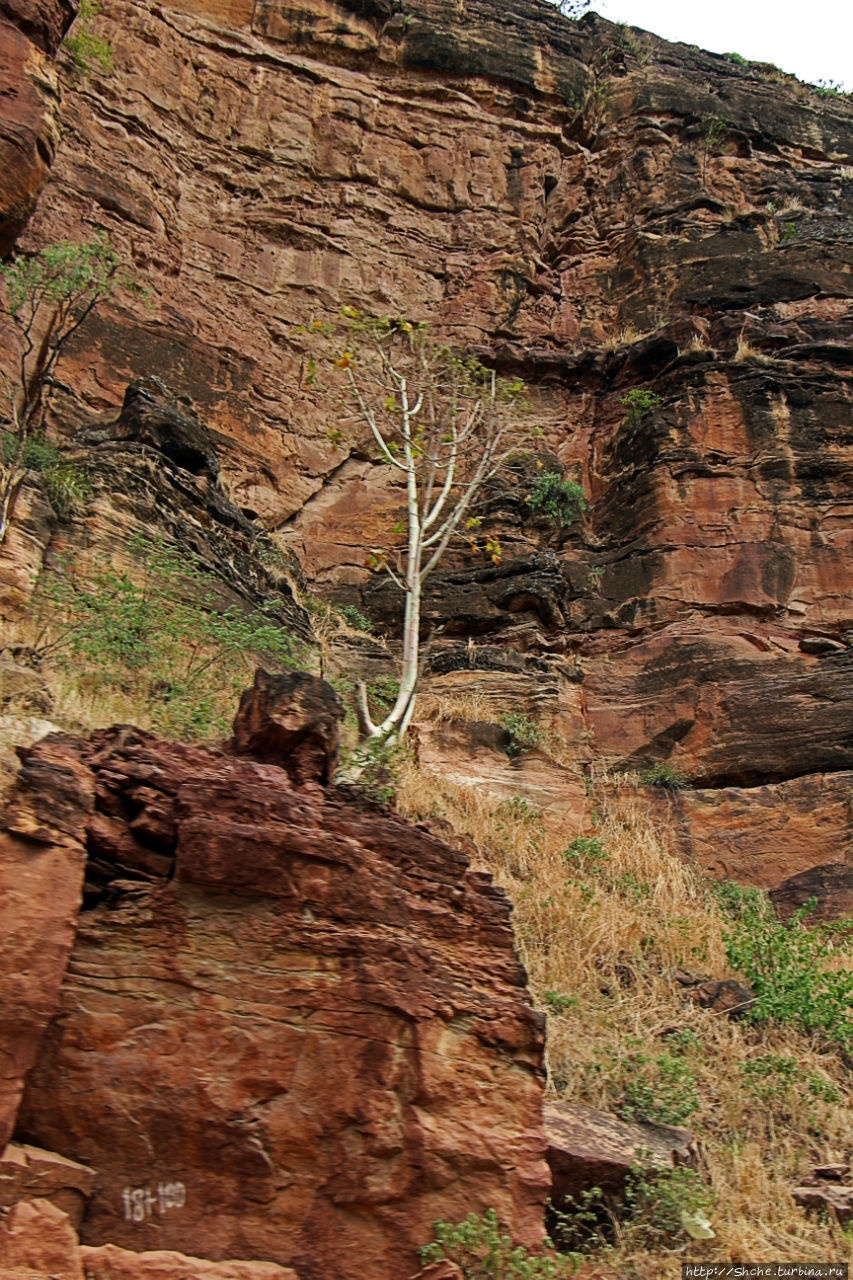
(291, 1027)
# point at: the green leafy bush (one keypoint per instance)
(784, 962)
(558, 1002)
(660, 1087)
(373, 768)
(665, 775)
(521, 732)
(355, 619)
(666, 1205)
(68, 487)
(560, 501)
(586, 853)
(48, 296)
(483, 1252)
(734, 898)
(162, 636)
(639, 402)
(88, 50)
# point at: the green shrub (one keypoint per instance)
(355, 619)
(586, 853)
(660, 1088)
(67, 486)
(666, 1205)
(639, 402)
(560, 501)
(384, 691)
(558, 1002)
(828, 88)
(88, 50)
(782, 961)
(663, 774)
(521, 732)
(737, 58)
(373, 768)
(585, 1222)
(483, 1252)
(163, 637)
(734, 898)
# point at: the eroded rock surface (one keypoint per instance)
(29, 105)
(292, 1027)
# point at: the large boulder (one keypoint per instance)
(297, 1032)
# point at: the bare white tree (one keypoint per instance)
(447, 425)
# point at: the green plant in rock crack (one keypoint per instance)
(585, 853)
(665, 1207)
(639, 402)
(664, 775)
(47, 297)
(521, 732)
(88, 50)
(162, 634)
(66, 484)
(561, 500)
(373, 768)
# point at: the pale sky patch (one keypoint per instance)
(812, 40)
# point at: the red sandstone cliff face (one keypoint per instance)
(550, 193)
(291, 1027)
(29, 117)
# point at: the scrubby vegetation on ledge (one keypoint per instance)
(605, 920)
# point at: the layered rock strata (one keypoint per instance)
(605, 213)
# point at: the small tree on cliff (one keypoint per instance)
(446, 425)
(47, 297)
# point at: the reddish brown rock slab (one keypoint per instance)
(29, 126)
(307, 1046)
(722, 710)
(830, 1197)
(38, 1242)
(590, 1148)
(44, 21)
(109, 1262)
(292, 720)
(28, 1173)
(22, 552)
(41, 875)
(831, 886)
(771, 835)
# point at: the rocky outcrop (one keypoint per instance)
(42, 858)
(589, 1148)
(38, 1242)
(27, 1173)
(291, 1027)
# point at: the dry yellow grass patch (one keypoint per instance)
(601, 925)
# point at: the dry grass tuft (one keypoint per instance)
(745, 351)
(601, 924)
